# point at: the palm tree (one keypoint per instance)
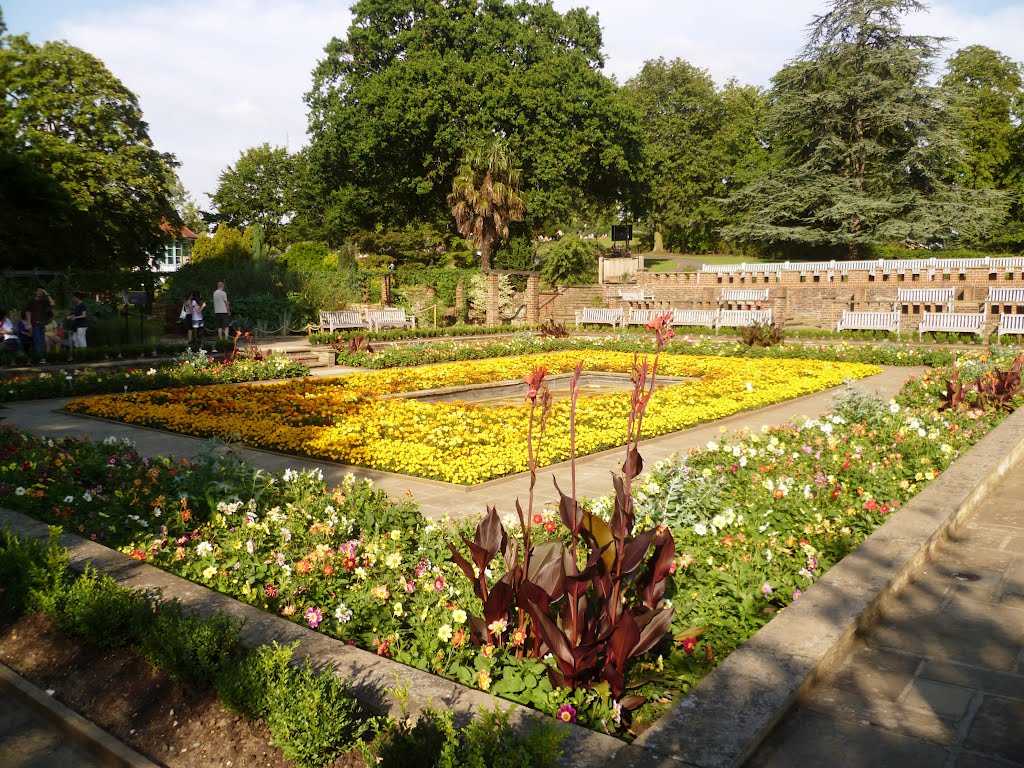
(485, 197)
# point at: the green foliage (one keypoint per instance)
(844, 180)
(315, 718)
(31, 573)
(190, 648)
(256, 190)
(423, 243)
(395, 104)
(859, 407)
(486, 742)
(570, 261)
(95, 608)
(244, 685)
(309, 257)
(78, 171)
(224, 249)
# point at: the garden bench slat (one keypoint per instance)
(389, 318)
(706, 317)
(925, 295)
(341, 318)
(600, 316)
(751, 294)
(869, 321)
(1010, 324)
(952, 322)
(735, 318)
(1005, 296)
(637, 295)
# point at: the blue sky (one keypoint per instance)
(215, 77)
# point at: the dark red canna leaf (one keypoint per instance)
(569, 510)
(655, 624)
(634, 463)
(636, 549)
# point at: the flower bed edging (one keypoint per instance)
(727, 716)
(370, 675)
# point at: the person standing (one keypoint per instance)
(222, 311)
(197, 306)
(186, 317)
(40, 312)
(78, 321)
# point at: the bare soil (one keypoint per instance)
(175, 726)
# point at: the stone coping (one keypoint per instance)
(108, 750)
(724, 719)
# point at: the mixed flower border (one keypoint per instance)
(756, 519)
(345, 419)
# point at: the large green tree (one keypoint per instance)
(82, 183)
(396, 103)
(701, 144)
(985, 93)
(257, 189)
(861, 143)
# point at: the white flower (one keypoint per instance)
(205, 548)
(712, 445)
(394, 560)
(445, 632)
(69, 499)
(894, 407)
(749, 386)
(343, 614)
(87, 496)
(19, 491)
(459, 616)
(700, 529)
(289, 475)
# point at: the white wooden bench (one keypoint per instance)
(745, 296)
(644, 316)
(1010, 324)
(738, 318)
(638, 295)
(930, 296)
(952, 322)
(600, 316)
(389, 318)
(1005, 296)
(869, 321)
(341, 318)
(705, 317)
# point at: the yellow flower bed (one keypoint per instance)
(344, 419)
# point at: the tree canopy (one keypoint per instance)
(396, 103)
(861, 142)
(257, 189)
(81, 181)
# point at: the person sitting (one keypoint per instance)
(8, 338)
(24, 331)
(56, 337)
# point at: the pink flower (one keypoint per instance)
(439, 584)
(314, 616)
(566, 713)
(766, 589)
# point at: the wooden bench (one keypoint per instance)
(637, 295)
(930, 296)
(738, 318)
(1005, 296)
(600, 316)
(341, 318)
(389, 318)
(952, 322)
(705, 317)
(744, 296)
(869, 321)
(1010, 324)
(644, 316)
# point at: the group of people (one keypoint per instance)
(37, 329)
(192, 315)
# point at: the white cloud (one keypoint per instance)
(216, 77)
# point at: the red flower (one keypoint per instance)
(302, 567)
(270, 590)
(138, 554)
(550, 526)
(689, 645)
(328, 569)
(534, 381)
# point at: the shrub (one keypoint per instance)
(95, 608)
(762, 334)
(432, 741)
(31, 574)
(314, 717)
(191, 649)
(570, 261)
(244, 685)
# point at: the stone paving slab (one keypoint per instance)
(940, 669)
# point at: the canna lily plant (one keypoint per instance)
(594, 603)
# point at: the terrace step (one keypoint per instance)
(311, 358)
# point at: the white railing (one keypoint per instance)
(1005, 296)
(1010, 324)
(749, 295)
(881, 265)
(637, 295)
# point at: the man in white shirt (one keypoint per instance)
(222, 310)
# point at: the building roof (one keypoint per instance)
(183, 232)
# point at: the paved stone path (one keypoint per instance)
(939, 680)
(593, 473)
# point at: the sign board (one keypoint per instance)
(622, 232)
